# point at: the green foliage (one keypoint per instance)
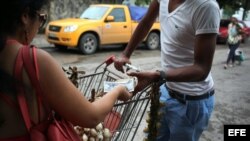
(230, 6)
(234, 4)
(142, 2)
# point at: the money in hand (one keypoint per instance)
(129, 83)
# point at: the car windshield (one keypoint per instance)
(94, 13)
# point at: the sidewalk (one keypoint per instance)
(41, 42)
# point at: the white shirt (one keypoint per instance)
(178, 31)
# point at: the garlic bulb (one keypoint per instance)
(99, 127)
(84, 137)
(145, 130)
(91, 139)
(106, 133)
(99, 137)
(93, 132)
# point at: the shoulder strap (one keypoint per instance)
(32, 68)
(21, 99)
(30, 64)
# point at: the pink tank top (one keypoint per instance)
(21, 138)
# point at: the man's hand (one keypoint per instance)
(120, 62)
(144, 79)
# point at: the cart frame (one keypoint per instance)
(129, 114)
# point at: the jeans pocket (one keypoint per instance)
(192, 112)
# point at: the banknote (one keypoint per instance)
(129, 83)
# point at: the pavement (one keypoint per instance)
(41, 42)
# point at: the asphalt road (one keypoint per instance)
(232, 105)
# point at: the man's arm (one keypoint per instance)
(142, 28)
(139, 34)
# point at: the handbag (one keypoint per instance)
(54, 128)
(242, 58)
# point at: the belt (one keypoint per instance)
(183, 97)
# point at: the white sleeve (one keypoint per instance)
(207, 18)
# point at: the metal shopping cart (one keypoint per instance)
(124, 119)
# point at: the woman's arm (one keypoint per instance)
(67, 100)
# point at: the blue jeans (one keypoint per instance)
(231, 55)
(183, 122)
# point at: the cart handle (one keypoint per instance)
(110, 60)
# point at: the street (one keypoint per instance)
(232, 96)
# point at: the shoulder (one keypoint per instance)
(211, 5)
(41, 54)
(45, 60)
(206, 8)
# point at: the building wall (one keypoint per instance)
(59, 9)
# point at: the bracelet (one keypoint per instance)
(163, 76)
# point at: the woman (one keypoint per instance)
(20, 21)
(234, 39)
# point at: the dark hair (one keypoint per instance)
(10, 15)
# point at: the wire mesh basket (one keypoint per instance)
(125, 118)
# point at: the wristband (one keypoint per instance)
(163, 76)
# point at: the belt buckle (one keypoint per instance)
(180, 99)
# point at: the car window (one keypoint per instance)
(94, 13)
(119, 15)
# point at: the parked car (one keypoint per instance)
(100, 24)
(223, 31)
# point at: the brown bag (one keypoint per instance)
(55, 128)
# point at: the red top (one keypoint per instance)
(21, 138)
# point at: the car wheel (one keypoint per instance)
(60, 47)
(88, 44)
(153, 41)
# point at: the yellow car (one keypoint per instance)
(100, 24)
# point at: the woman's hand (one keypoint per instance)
(144, 79)
(124, 94)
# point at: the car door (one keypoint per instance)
(117, 31)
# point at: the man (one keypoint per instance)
(188, 39)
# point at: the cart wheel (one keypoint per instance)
(88, 43)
